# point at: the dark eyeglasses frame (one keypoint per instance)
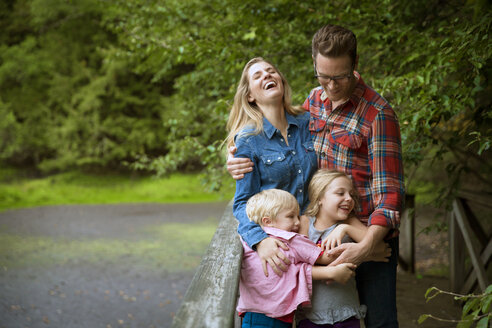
(328, 79)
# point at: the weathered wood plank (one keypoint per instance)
(211, 298)
(407, 235)
(456, 254)
(465, 228)
(472, 278)
(481, 198)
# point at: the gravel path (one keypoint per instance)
(79, 293)
(52, 287)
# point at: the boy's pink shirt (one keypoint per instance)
(277, 296)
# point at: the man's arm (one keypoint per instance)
(237, 167)
(385, 161)
(363, 251)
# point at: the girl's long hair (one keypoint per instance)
(244, 113)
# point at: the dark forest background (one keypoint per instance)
(146, 85)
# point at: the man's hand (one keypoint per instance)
(269, 251)
(237, 167)
(349, 253)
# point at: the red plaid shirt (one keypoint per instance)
(362, 139)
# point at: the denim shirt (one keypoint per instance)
(276, 165)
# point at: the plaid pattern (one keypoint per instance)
(362, 139)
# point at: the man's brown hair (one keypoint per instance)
(335, 41)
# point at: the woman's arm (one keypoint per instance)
(268, 248)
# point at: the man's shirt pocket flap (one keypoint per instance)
(346, 138)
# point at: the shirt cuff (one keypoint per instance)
(384, 217)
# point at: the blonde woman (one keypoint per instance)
(274, 135)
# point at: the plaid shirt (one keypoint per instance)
(362, 139)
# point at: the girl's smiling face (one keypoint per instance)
(337, 202)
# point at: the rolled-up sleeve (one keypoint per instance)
(385, 160)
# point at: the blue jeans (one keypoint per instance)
(376, 284)
(259, 320)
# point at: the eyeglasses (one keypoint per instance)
(328, 79)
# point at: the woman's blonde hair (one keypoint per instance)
(317, 188)
(245, 113)
(269, 203)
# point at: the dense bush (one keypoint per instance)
(92, 83)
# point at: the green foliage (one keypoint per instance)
(477, 309)
(147, 84)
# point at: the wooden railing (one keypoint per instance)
(212, 295)
(467, 236)
(406, 258)
(211, 298)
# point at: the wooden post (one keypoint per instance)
(456, 254)
(466, 230)
(211, 298)
(407, 235)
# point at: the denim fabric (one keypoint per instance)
(259, 320)
(276, 165)
(376, 284)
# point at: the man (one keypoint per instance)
(356, 131)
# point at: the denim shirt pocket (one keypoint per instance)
(347, 139)
(310, 153)
(276, 168)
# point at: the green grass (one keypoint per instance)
(18, 191)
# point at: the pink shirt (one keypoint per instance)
(277, 296)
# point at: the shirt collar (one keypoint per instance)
(287, 235)
(270, 130)
(359, 89)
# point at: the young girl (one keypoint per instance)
(329, 219)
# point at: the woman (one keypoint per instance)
(274, 135)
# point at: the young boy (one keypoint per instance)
(271, 301)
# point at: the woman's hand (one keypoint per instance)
(269, 251)
(335, 237)
(237, 167)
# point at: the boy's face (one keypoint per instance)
(287, 220)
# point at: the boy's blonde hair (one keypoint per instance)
(269, 203)
(317, 188)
